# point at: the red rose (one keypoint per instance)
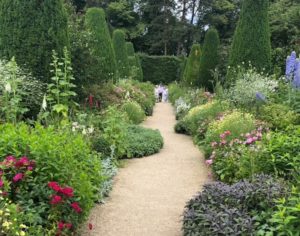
(55, 199)
(76, 207)
(54, 185)
(67, 191)
(60, 225)
(18, 177)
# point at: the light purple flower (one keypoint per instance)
(290, 65)
(296, 81)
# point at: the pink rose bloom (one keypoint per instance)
(249, 141)
(209, 162)
(18, 177)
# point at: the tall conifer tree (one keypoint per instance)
(30, 30)
(120, 49)
(251, 40)
(191, 71)
(209, 59)
(101, 44)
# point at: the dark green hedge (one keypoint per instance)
(161, 69)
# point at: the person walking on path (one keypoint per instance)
(165, 95)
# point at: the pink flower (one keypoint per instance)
(67, 191)
(249, 140)
(24, 161)
(76, 207)
(209, 162)
(10, 159)
(90, 226)
(223, 142)
(222, 136)
(214, 144)
(60, 225)
(56, 199)
(30, 168)
(1, 183)
(54, 185)
(18, 177)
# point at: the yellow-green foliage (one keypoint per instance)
(203, 113)
(279, 116)
(236, 122)
(134, 112)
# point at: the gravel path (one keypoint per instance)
(149, 194)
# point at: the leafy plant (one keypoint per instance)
(279, 116)
(143, 141)
(250, 88)
(222, 209)
(60, 90)
(59, 155)
(12, 92)
(203, 114)
(114, 128)
(134, 112)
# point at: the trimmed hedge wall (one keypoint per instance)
(161, 69)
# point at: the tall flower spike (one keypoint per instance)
(290, 65)
(296, 81)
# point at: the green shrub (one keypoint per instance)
(280, 154)
(114, 129)
(28, 35)
(285, 218)
(161, 69)
(238, 209)
(60, 155)
(200, 116)
(251, 41)
(102, 52)
(181, 128)
(120, 50)
(143, 141)
(191, 70)
(209, 60)
(249, 83)
(20, 94)
(236, 122)
(175, 92)
(279, 116)
(134, 112)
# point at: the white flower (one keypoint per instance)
(8, 87)
(73, 129)
(84, 131)
(44, 104)
(91, 130)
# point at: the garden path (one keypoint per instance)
(149, 194)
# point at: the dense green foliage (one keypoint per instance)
(134, 112)
(251, 42)
(28, 35)
(191, 70)
(134, 63)
(55, 153)
(161, 69)
(209, 59)
(103, 56)
(120, 49)
(143, 141)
